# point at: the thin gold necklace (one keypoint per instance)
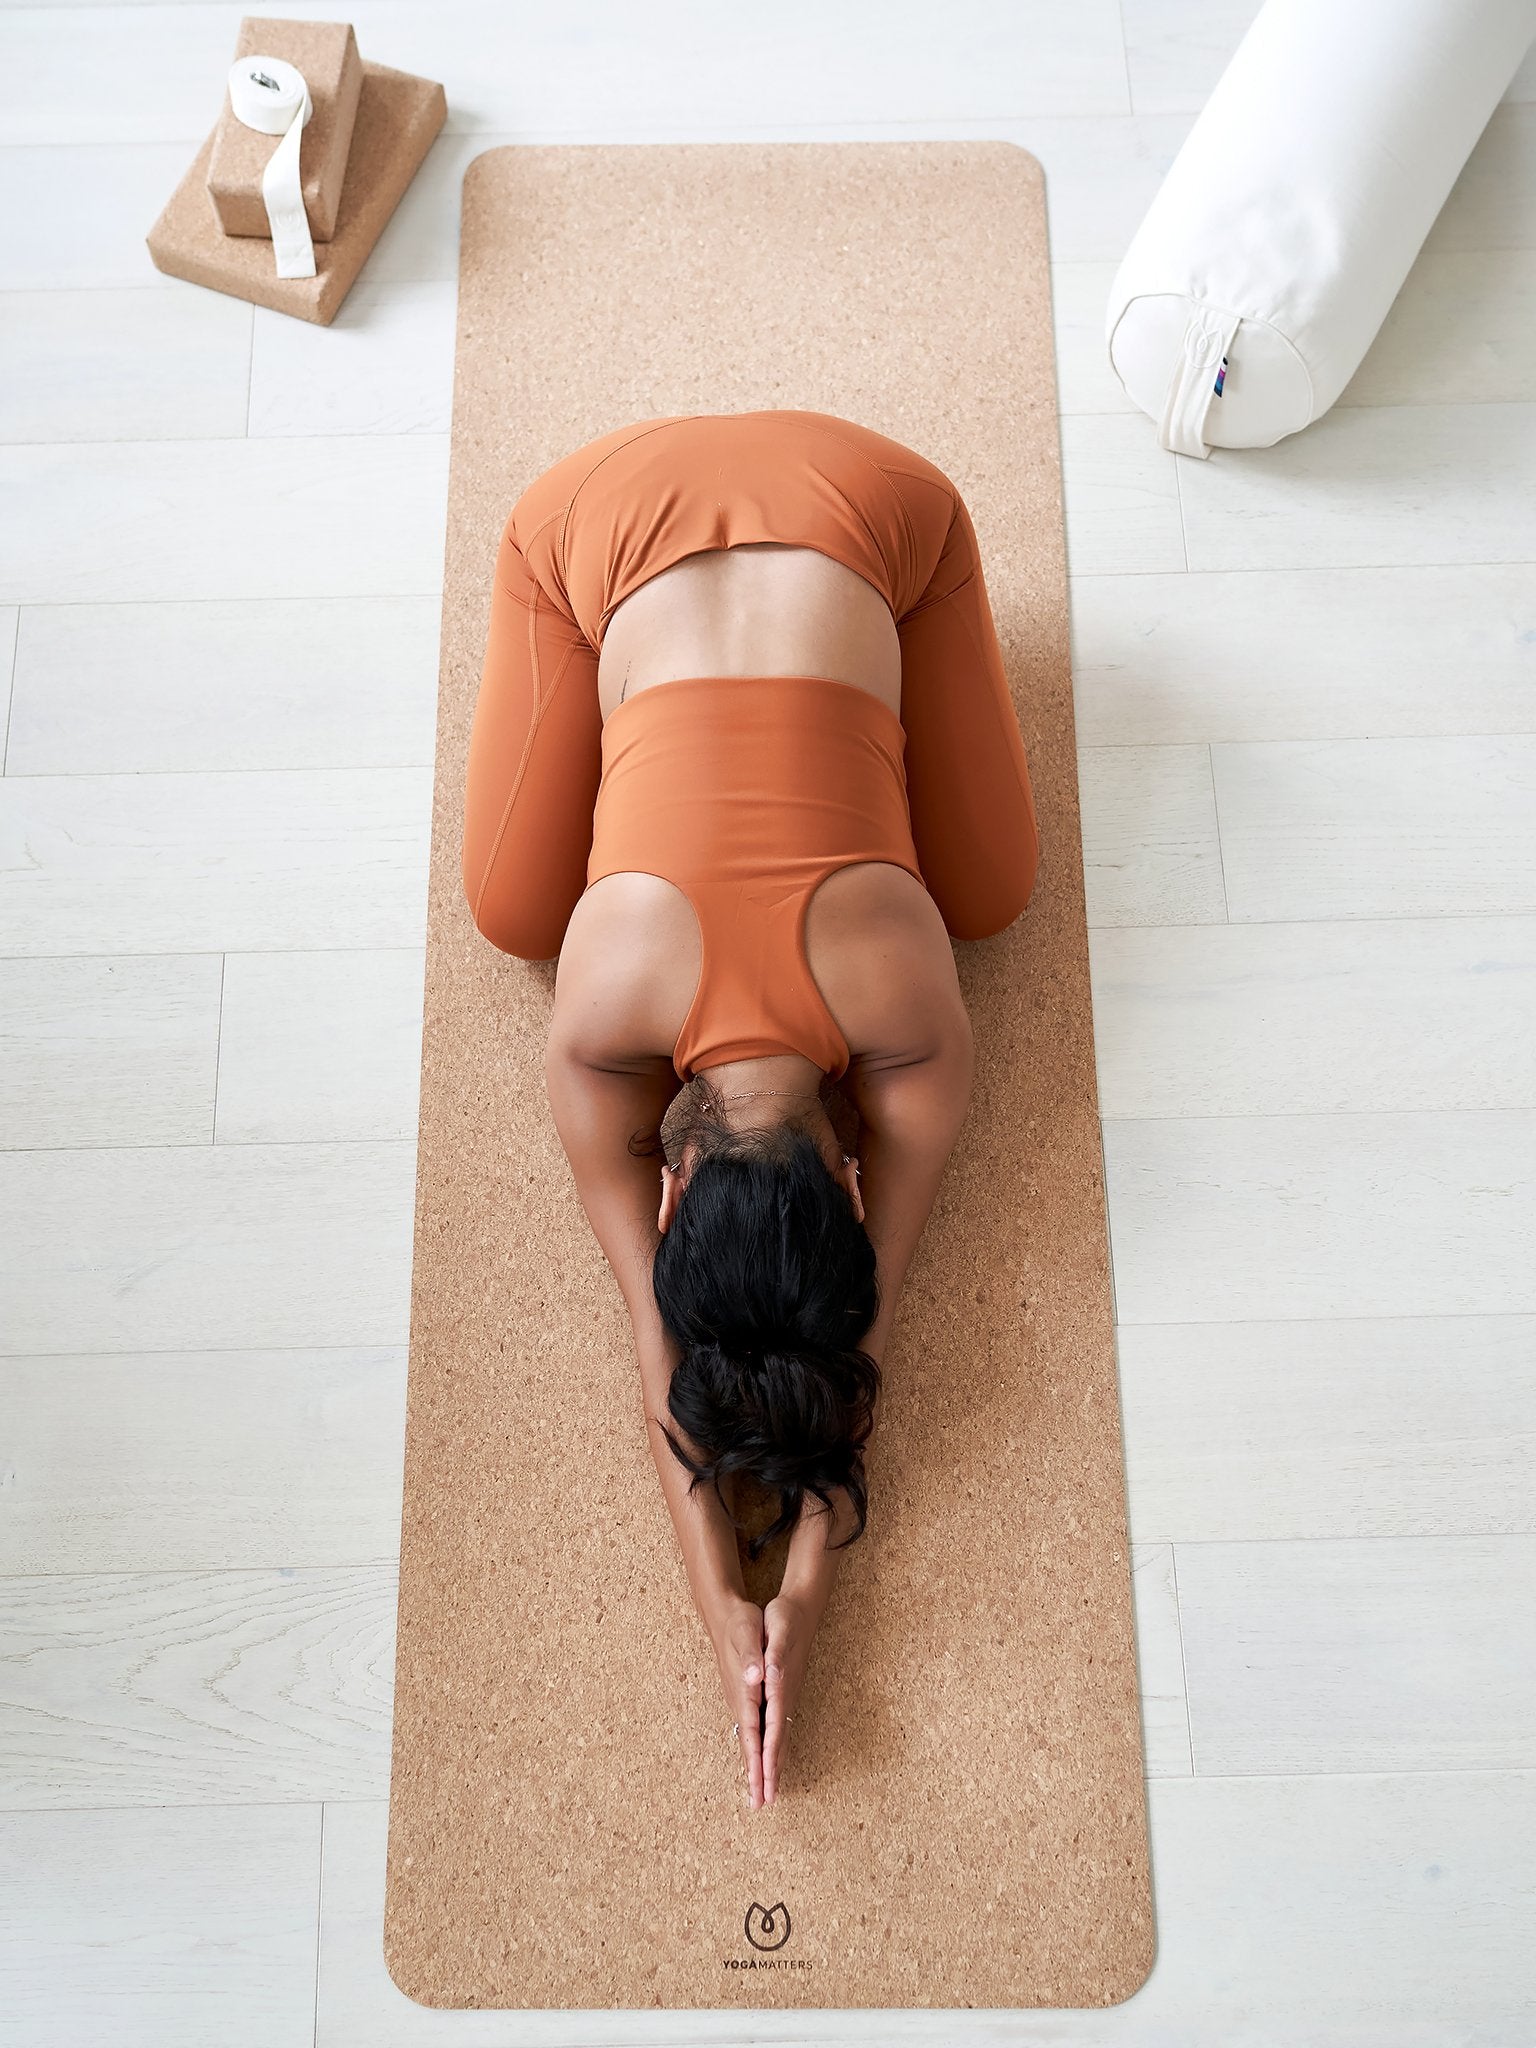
(747, 1093)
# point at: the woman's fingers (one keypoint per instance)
(737, 1633)
(750, 1725)
(773, 1727)
(784, 1661)
(763, 1654)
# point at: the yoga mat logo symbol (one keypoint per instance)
(767, 1926)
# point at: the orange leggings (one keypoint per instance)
(620, 510)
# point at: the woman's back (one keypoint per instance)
(873, 939)
(762, 608)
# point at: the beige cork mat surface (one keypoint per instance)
(961, 1820)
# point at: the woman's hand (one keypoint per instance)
(737, 1631)
(791, 1628)
(762, 1654)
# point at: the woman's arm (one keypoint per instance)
(597, 1110)
(706, 1535)
(911, 1114)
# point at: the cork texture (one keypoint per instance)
(326, 53)
(398, 117)
(961, 1819)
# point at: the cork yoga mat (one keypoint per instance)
(961, 1818)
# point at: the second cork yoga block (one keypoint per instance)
(326, 53)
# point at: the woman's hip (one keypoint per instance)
(618, 511)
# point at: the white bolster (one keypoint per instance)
(1291, 216)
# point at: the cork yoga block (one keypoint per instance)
(961, 1818)
(398, 117)
(327, 54)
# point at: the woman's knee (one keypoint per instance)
(527, 930)
(993, 899)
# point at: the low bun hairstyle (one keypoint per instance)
(766, 1280)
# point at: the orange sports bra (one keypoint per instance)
(746, 792)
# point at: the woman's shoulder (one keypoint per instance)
(628, 967)
(877, 945)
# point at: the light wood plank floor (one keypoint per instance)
(1306, 683)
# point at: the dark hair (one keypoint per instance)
(766, 1279)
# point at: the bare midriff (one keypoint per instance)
(759, 609)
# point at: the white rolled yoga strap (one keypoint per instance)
(270, 96)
